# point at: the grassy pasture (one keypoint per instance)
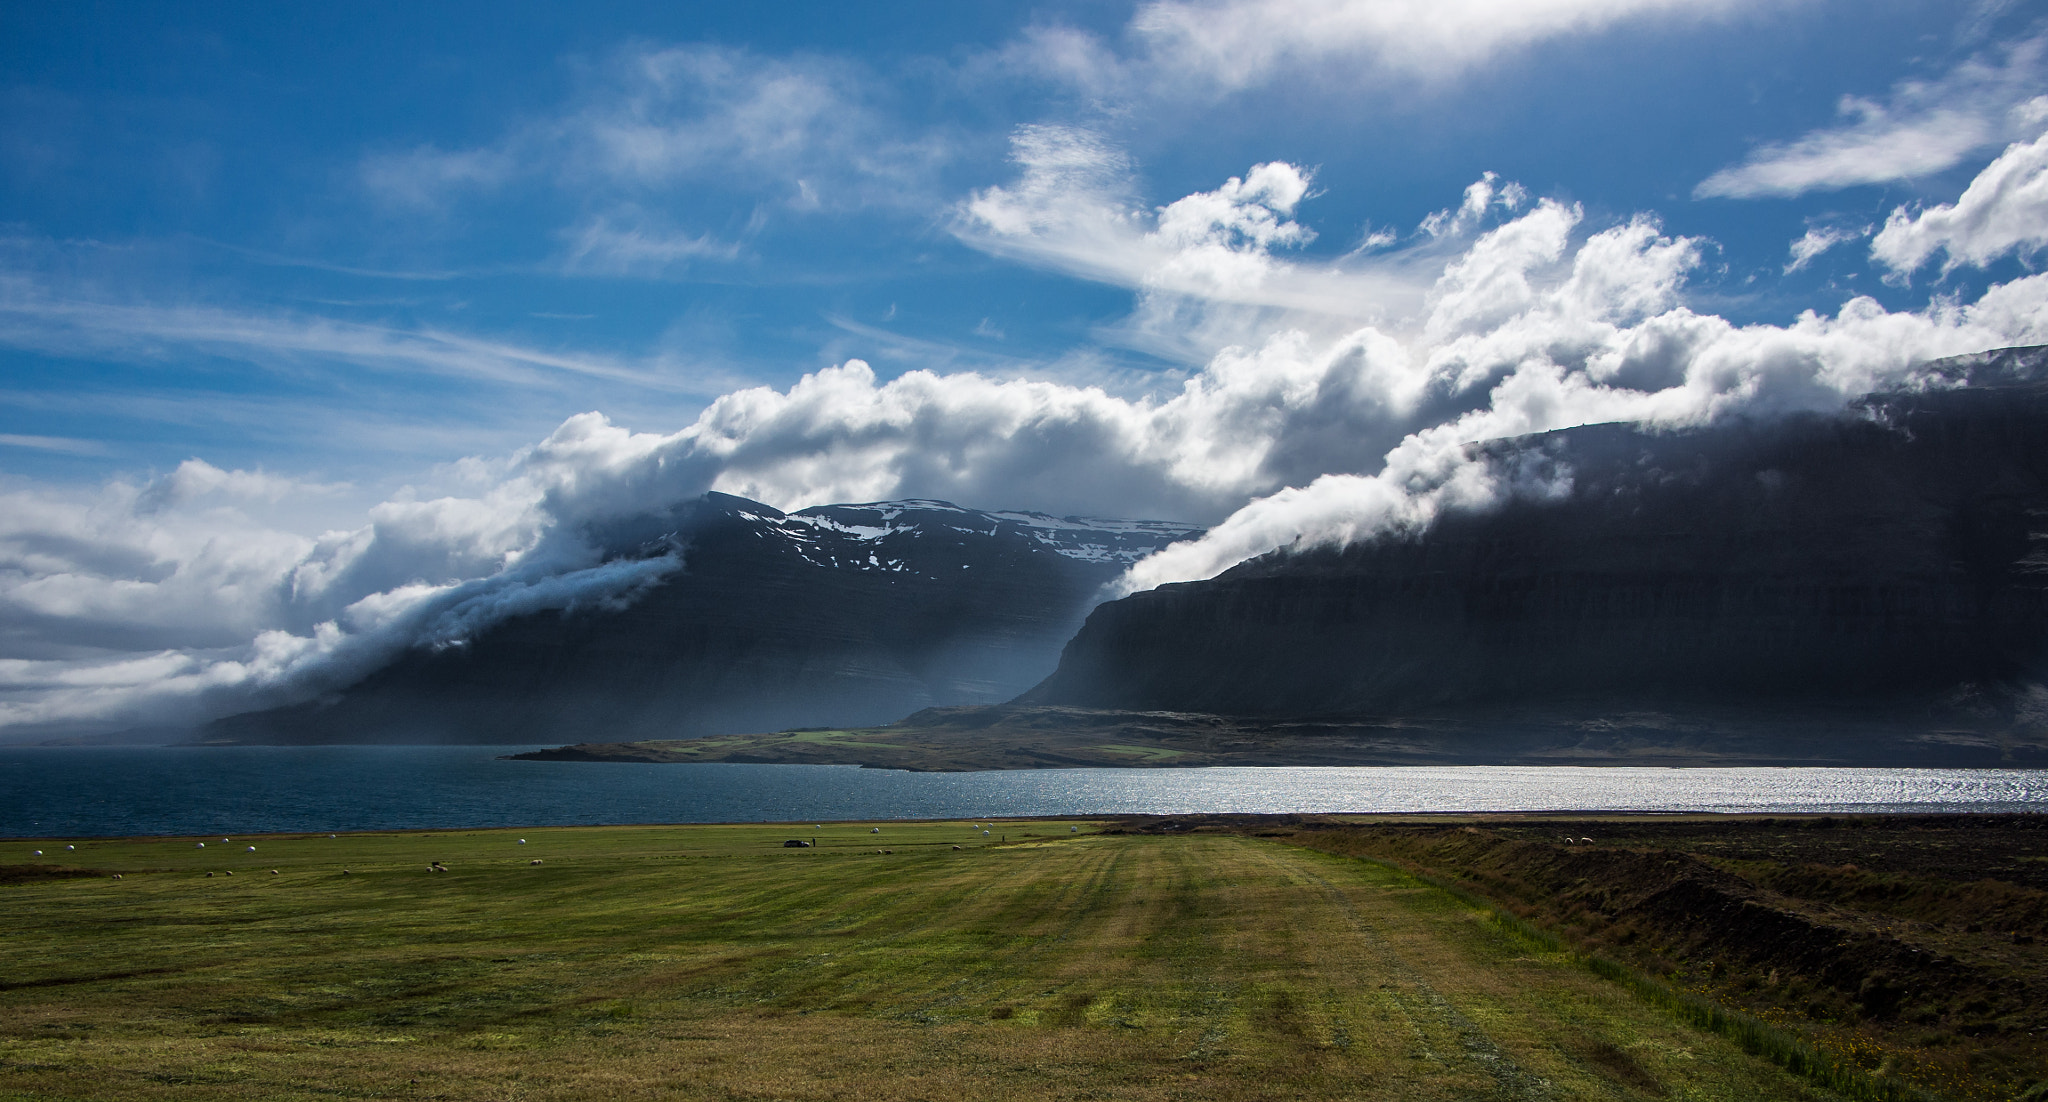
(709, 962)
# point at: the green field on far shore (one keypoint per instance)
(711, 962)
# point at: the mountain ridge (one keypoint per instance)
(838, 613)
(1890, 557)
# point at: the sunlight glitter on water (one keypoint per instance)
(103, 791)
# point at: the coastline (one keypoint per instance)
(1010, 737)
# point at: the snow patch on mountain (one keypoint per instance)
(1086, 539)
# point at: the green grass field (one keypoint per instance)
(710, 962)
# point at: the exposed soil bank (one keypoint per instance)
(1918, 934)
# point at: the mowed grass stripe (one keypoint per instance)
(710, 963)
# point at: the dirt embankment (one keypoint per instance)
(1920, 934)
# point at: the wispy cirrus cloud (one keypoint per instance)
(66, 444)
(795, 133)
(1819, 239)
(626, 245)
(66, 321)
(1240, 43)
(1920, 128)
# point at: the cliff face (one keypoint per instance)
(839, 615)
(1895, 557)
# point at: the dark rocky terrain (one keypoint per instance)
(837, 614)
(1888, 564)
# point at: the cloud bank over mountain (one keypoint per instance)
(1327, 401)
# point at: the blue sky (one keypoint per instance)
(339, 288)
(241, 159)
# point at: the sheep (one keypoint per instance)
(535, 861)
(273, 872)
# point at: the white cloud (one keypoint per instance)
(1922, 128)
(1819, 239)
(170, 600)
(653, 129)
(50, 315)
(1240, 43)
(426, 176)
(1205, 266)
(1671, 368)
(2004, 210)
(67, 444)
(616, 246)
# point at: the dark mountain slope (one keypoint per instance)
(1894, 560)
(837, 615)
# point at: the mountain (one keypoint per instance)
(836, 615)
(1890, 562)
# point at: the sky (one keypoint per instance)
(325, 332)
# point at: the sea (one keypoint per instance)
(80, 792)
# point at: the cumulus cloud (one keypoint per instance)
(1239, 43)
(1922, 127)
(2004, 210)
(1209, 268)
(166, 599)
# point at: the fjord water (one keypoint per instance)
(50, 792)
